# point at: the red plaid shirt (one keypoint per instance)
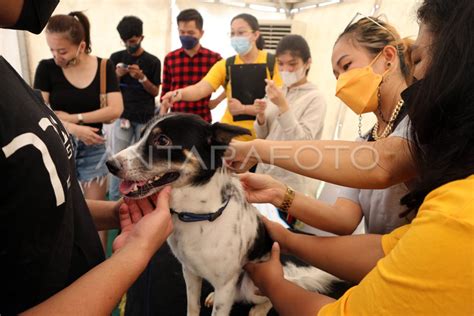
(180, 70)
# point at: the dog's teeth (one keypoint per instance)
(135, 188)
(156, 178)
(150, 182)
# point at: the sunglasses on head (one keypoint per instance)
(358, 14)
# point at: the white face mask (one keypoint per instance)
(289, 78)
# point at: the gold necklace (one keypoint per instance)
(388, 128)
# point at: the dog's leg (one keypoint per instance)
(261, 309)
(193, 292)
(224, 297)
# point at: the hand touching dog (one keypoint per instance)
(144, 225)
(268, 274)
(261, 188)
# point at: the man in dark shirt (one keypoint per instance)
(50, 253)
(189, 64)
(139, 75)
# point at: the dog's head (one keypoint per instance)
(176, 149)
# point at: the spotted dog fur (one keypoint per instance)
(186, 152)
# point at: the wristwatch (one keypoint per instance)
(143, 79)
(80, 119)
(288, 199)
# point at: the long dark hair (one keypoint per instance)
(75, 26)
(442, 115)
(253, 23)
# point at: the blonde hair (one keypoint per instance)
(374, 34)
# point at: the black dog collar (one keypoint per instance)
(189, 217)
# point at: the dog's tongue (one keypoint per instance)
(127, 186)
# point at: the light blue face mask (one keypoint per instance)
(241, 44)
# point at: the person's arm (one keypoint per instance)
(365, 165)
(347, 257)
(237, 108)
(150, 87)
(10, 13)
(135, 72)
(261, 123)
(341, 218)
(144, 229)
(194, 92)
(287, 298)
(45, 96)
(112, 111)
(87, 134)
(204, 88)
(215, 102)
(105, 213)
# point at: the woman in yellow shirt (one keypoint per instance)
(248, 43)
(424, 268)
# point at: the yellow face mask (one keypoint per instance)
(358, 88)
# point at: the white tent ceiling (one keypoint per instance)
(289, 7)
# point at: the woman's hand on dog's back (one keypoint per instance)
(279, 234)
(268, 274)
(144, 226)
(261, 188)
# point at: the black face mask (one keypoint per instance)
(35, 15)
(132, 49)
(410, 92)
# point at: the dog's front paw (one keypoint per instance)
(261, 309)
(209, 300)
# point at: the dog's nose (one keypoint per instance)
(113, 165)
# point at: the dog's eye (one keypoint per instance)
(162, 140)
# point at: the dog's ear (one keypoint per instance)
(223, 133)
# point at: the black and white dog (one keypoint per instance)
(216, 231)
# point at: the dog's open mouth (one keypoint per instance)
(138, 189)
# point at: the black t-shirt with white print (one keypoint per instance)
(47, 236)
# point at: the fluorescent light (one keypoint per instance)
(329, 2)
(312, 6)
(293, 11)
(263, 8)
(234, 3)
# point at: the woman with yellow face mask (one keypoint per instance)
(372, 65)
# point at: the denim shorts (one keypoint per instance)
(90, 161)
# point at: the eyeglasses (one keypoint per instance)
(371, 20)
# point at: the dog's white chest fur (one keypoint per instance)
(213, 250)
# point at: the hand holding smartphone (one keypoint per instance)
(122, 65)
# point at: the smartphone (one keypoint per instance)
(122, 65)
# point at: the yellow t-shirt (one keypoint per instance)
(216, 78)
(429, 265)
